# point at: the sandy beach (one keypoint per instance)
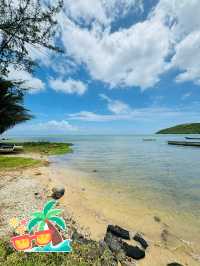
(93, 208)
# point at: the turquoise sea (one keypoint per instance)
(154, 171)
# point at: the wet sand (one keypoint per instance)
(94, 206)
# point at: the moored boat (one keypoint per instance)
(184, 143)
(192, 138)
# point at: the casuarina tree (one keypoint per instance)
(26, 23)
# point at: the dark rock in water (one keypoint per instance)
(141, 240)
(164, 235)
(57, 193)
(94, 171)
(117, 246)
(133, 252)
(157, 219)
(118, 231)
(174, 264)
(114, 243)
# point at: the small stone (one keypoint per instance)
(38, 173)
(58, 193)
(164, 235)
(157, 219)
(94, 171)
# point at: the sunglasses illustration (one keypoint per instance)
(24, 242)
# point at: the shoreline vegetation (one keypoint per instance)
(192, 128)
(33, 186)
(39, 148)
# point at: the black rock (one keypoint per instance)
(174, 264)
(133, 252)
(118, 231)
(141, 240)
(114, 243)
(58, 193)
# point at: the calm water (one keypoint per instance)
(152, 171)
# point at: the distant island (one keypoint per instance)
(193, 128)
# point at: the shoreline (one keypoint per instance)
(80, 204)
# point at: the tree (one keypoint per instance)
(48, 216)
(12, 111)
(24, 23)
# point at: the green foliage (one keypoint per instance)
(12, 111)
(17, 162)
(47, 148)
(82, 255)
(193, 128)
(26, 24)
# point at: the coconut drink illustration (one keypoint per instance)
(43, 231)
(48, 217)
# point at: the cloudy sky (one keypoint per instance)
(130, 66)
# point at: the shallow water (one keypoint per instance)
(149, 170)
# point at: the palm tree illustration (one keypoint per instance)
(48, 216)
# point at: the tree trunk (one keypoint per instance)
(56, 237)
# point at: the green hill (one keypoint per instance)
(193, 128)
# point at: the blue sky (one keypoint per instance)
(130, 66)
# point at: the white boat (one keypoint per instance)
(9, 148)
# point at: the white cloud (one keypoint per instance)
(185, 33)
(69, 86)
(101, 11)
(92, 117)
(128, 57)
(33, 84)
(59, 125)
(49, 127)
(187, 58)
(136, 56)
(141, 115)
(116, 106)
(183, 15)
(186, 95)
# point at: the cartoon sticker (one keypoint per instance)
(41, 233)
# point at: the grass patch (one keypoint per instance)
(82, 255)
(17, 162)
(47, 148)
